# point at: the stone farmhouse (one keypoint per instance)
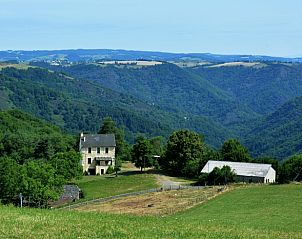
(98, 152)
(246, 172)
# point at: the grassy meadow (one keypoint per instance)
(248, 212)
(109, 185)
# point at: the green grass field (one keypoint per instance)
(105, 185)
(251, 212)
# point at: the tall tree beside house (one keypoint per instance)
(233, 151)
(109, 127)
(67, 164)
(184, 154)
(142, 153)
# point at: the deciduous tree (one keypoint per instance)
(141, 153)
(232, 150)
(67, 164)
(184, 153)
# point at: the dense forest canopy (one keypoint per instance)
(78, 105)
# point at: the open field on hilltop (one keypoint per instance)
(246, 64)
(21, 66)
(157, 203)
(270, 212)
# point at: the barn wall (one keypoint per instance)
(250, 179)
(271, 176)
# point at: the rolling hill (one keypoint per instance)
(110, 54)
(79, 105)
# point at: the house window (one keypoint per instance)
(98, 150)
(98, 162)
(89, 160)
(106, 150)
(89, 150)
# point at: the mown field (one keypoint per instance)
(250, 212)
(109, 185)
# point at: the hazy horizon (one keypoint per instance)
(227, 27)
(16, 50)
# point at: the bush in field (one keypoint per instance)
(218, 176)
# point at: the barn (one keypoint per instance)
(246, 172)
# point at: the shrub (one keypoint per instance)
(110, 170)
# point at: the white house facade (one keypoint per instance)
(98, 152)
(246, 172)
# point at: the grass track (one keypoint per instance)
(252, 212)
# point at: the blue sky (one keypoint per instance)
(269, 27)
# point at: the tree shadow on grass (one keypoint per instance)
(128, 173)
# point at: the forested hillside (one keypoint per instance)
(77, 105)
(280, 133)
(22, 136)
(168, 86)
(263, 87)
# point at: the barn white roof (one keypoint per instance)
(242, 169)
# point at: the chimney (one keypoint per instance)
(82, 137)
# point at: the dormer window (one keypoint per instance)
(89, 150)
(98, 150)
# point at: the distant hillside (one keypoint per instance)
(168, 86)
(77, 105)
(279, 134)
(263, 87)
(109, 54)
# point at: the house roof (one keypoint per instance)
(97, 140)
(242, 169)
